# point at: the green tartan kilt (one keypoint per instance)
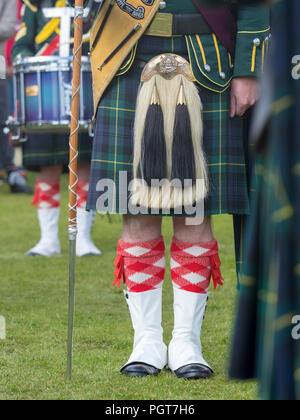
(113, 143)
(53, 149)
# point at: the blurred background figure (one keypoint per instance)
(267, 337)
(15, 178)
(48, 153)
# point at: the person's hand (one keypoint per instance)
(244, 94)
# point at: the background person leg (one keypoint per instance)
(47, 197)
(85, 219)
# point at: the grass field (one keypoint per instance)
(33, 299)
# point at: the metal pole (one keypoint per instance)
(73, 177)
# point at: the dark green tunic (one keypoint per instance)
(45, 149)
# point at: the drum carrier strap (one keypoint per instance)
(116, 30)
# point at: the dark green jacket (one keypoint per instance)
(213, 66)
(33, 23)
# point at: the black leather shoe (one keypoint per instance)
(139, 370)
(21, 189)
(194, 371)
(17, 183)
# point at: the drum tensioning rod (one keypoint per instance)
(73, 177)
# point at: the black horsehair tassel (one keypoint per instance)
(153, 151)
(183, 158)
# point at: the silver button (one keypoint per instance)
(207, 68)
(256, 42)
(223, 75)
(162, 5)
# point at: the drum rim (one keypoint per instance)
(49, 124)
(43, 60)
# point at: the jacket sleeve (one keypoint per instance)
(25, 39)
(252, 39)
(8, 19)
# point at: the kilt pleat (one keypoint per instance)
(223, 140)
(53, 149)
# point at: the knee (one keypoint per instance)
(51, 173)
(141, 228)
(84, 171)
(193, 233)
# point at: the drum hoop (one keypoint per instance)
(49, 64)
(50, 124)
